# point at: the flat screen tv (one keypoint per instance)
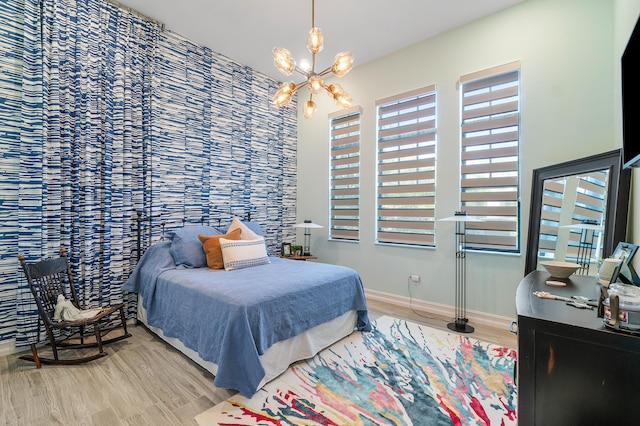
(630, 65)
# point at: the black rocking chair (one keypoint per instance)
(47, 280)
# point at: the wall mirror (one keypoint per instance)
(578, 211)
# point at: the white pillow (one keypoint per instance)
(237, 254)
(245, 233)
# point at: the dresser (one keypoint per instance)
(571, 369)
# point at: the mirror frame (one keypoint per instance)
(616, 211)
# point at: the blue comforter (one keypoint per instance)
(233, 317)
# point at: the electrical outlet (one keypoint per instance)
(414, 278)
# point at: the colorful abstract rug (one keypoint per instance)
(400, 373)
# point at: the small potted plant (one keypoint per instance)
(296, 250)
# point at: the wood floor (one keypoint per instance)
(142, 381)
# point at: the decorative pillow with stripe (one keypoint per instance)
(238, 254)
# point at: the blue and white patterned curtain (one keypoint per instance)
(85, 143)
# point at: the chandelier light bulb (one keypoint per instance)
(342, 64)
(314, 44)
(283, 60)
(315, 84)
(309, 109)
(285, 63)
(340, 97)
(283, 95)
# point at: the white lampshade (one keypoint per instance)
(464, 218)
(308, 224)
(582, 226)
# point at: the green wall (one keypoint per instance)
(570, 91)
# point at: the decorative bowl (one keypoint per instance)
(559, 269)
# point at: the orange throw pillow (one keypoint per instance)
(211, 247)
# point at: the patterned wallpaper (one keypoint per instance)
(217, 144)
(217, 140)
(11, 17)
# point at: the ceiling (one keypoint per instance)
(247, 30)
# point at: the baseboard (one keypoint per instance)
(8, 347)
(475, 317)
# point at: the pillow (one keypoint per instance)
(185, 247)
(243, 253)
(250, 230)
(211, 246)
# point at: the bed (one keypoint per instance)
(247, 324)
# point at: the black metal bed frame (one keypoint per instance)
(184, 219)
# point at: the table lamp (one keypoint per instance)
(307, 225)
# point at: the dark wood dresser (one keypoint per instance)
(571, 369)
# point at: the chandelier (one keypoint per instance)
(285, 63)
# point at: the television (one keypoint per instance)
(630, 95)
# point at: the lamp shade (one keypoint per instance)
(307, 224)
(343, 64)
(283, 60)
(309, 109)
(463, 218)
(582, 226)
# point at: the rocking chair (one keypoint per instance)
(47, 280)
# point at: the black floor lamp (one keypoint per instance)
(461, 322)
(589, 229)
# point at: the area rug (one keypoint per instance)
(401, 373)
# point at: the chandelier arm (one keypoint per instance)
(302, 72)
(325, 72)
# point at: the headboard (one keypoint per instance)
(169, 219)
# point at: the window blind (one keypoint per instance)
(406, 156)
(344, 219)
(584, 197)
(490, 135)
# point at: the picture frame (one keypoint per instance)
(285, 249)
(626, 273)
(625, 252)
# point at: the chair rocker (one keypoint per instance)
(49, 278)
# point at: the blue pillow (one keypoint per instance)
(253, 226)
(186, 248)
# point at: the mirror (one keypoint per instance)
(578, 211)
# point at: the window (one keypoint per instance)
(490, 157)
(406, 157)
(583, 196)
(344, 220)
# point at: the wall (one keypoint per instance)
(218, 143)
(566, 49)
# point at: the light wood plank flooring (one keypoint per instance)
(142, 381)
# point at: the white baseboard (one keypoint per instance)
(475, 317)
(8, 347)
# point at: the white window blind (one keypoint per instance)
(344, 220)
(490, 156)
(583, 196)
(406, 161)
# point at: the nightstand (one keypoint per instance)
(299, 257)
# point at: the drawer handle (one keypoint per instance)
(513, 327)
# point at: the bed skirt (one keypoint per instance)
(280, 355)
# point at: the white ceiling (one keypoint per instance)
(247, 30)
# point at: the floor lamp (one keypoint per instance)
(588, 230)
(461, 322)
